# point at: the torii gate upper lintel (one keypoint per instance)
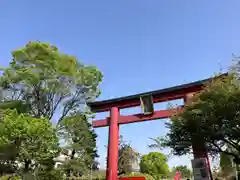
(115, 119)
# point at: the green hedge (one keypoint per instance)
(100, 176)
(10, 178)
(138, 174)
(135, 174)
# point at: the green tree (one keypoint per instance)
(157, 143)
(19, 105)
(53, 86)
(185, 172)
(8, 152)
(54, 174)
(80, 147)
(213, 116)
(26, 141)
(226, 165)
(154, 164)
(127, 157)
(49, 81)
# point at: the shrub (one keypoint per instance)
(10, 178)
(50, 175)
(138, 174)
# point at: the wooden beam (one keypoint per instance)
(160, 114)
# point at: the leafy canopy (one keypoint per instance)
(48, 85)
(26, 139)
(226, 165)
(49, 81)
(213, 116)
(154, 164)
(80, 148)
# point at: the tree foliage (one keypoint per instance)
(49, 81)
(213, 116)
(25, 141)
(127, 157)
(47, 85)
(95, 165)
(54, 174)
(226, 165)
(80, 147)
(155, 164)
(19, 105)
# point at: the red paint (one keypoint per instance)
(162, 97)
(161, 114)
(112, 162)
(209, 167)
(177, 176)
(132, 178)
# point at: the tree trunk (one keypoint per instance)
(237, 172)
(26, 166)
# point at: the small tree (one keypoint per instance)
(26, 142)
(155, 164)
(80, 145)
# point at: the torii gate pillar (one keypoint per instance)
(113, 135)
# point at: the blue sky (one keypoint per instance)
(139, 45)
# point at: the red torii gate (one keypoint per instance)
(114, 105)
